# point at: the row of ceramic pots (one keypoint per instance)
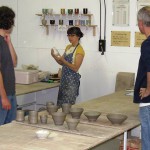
(63, 11)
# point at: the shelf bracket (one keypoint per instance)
(94, 30)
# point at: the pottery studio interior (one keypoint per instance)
(77, 63)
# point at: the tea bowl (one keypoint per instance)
(92, 115)
(116, 118)
(76, 112)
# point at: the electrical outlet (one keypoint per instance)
(102, 47)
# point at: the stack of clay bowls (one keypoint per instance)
(33, 117)
(76, 112)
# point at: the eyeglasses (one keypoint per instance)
(71, 35)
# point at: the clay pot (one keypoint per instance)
(61, 22)
(116, 118)
(72, 123)
(76, 112)
(58, 118)
(49, 103)
(70, 11)
(76, 10)
(52, 22)
(66, 108)
(43, 119)
(20, 115)
(44, 22)
(52, 108)
(92, 115)
(45, 11)
(85, 10)
(33, 117)
(62, 11)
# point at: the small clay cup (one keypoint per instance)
(20, 115)
(58, 118)
(70, 22)
(44, 22)
(72, 123)
(85, 10)
(76, 11)
(43, 119)
(52, 22)
(33, 117)
(61, 22)
(62, 11)
(52, 108)
(76, 112)
(70, 11)
(88, 22)
(49, 103)
(50, 11)
(77, 22)
(66, 108)
(45, 11)
(82, 22)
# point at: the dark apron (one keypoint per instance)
(69, 84)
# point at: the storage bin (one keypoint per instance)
(26, 76)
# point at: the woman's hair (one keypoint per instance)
(76, 31)
(144, 15)
(7, 16)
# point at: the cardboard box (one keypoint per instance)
(132, 144)
(26, 76)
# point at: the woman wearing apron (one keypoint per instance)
(71, 61)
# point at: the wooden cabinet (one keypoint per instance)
(85, 18)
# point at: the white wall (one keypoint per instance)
(98, 71)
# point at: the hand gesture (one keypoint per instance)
(144, 92)
(6, 104)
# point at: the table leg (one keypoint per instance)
(125, 141)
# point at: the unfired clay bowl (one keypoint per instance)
(76, 112)
(52, 108)
(49, 103)
(58, 118)
(72, 123)
(66, 108)
(116, 118)
(92, 115)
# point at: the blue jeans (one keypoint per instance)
(144, 114)
(6, 116)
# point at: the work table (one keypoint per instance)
(22, 89)
(22, 136)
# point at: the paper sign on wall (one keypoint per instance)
(139, 38)
(120, 38)
(120, 13)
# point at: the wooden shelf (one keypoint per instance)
(88, 15)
